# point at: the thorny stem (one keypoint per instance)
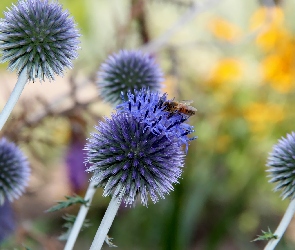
(282, 226)
(106, 223)
(80, 217)
(14, 96)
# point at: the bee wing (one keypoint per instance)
(186, 102)
(192, 108)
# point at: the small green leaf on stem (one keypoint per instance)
(70, 220)
(108, 240)
(71, 200)
(266, 236)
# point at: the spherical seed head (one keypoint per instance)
(40, 36)
(281, 165)
(150, 107)
(14, 171)
(130, 161)
(126, 71)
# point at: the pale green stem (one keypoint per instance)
(106, 223)
(80, 217)
(15, 94)
(282, 226)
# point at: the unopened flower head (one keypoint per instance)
(14, 171)
(126, 71)
(130, 161)
(149, 107)
(40, 36)
(281, 165)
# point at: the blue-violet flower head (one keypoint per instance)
(39, 37)
(150, 108)
(126, 71)
(281, 166)
(131, 161)
(14, 171)
(7, 221)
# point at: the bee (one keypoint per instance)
(180, 107)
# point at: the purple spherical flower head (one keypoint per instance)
(281, 165)
(149, 107)
(14, 171)
(7, 221)
(130, 161)
(126, 71)
(40, 36)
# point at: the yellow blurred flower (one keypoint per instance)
(271, 22)
(279, 69)
(272, 15)
(278, 66)
(226, 70)
(224, 30)
(261, 116)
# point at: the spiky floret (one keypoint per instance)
(14, 171)
(150, 107)
(281, 166)
(126, 71)
(40, 36)
(130, 161)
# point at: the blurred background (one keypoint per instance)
(235, 59)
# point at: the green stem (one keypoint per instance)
(80, 217)
(282, 226)
(18, 88)
(106, 223)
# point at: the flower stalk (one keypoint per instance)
(106, 223)
(80, 217)
(282, 226)
(18, 88)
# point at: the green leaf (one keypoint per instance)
(71, 200)
(266, 236)
(70, 220)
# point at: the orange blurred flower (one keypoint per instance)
(224, 30)
(261, 116)
(279, 68)
(271, 23)
(226, 70)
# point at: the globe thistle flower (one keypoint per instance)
(130, 161)
(126, 71)
(40, 36)
(7, 221)
(150, 107)
(14, 171)
(281, 165)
